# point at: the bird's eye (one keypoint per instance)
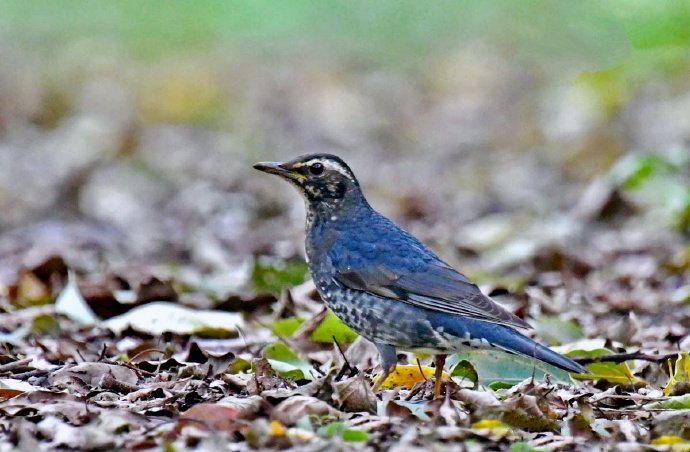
(316, 168)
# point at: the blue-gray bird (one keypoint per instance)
(388, 286)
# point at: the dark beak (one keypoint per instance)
(272, 168)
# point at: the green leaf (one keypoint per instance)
(497, 366)
(334, 428)
(272, 275)
(464, 370)
(672, 403)
(631, 171)
(584, 348)
(332, 327)
(680, 372)
(658, 182)
(342, 430)
(286, 327)
(496, 385)
(609, 371)
(355, 435)
(522, 446)
(286, 362)
(556, 331)
(239, 365)
(612, 372)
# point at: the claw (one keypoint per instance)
(382, 378)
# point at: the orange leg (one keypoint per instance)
(440, 361)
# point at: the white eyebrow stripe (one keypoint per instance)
(332, 166)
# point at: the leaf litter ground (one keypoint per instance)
(104, 361)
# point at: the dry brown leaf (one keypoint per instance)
(355, 394)
(290, 410)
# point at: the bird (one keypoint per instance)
(387, 285)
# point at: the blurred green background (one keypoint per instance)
(131, 126)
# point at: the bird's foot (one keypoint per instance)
(379, 381)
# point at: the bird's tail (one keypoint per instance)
(518, 343)
(508, 339)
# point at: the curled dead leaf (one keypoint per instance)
(355, 394)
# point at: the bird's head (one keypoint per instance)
(320, 178)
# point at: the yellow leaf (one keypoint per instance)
(489, 423)
(409, 375)
(680, 372)
(612, 372)
(275, 428)
(677, 443)
(494, 428)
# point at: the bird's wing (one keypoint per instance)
(409, 272)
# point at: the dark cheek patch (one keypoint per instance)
(336, 188)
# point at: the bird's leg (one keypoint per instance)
(389, 359)
(440, 361)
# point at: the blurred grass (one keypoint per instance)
(388, 28)
(643, 35)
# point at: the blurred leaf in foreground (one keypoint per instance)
(342, 430)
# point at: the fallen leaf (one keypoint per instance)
(342, 430)
(71, 304)
(275, 428)
(286, 362)
(332, 328)
(680, 373)
(160, 317)
(91, 374)
(211, 416)
(408, 375)
(497, 366)
(355, 394)
(671, 403)
(290, 410)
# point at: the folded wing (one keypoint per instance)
(414, 275)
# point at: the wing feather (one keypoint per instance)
(419, 279)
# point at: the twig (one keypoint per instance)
(29, 374)
(103, 350)
(621, 357)
(351, 370)
(143, 352)
(421, 372)
(14, 364)
(109, 382)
